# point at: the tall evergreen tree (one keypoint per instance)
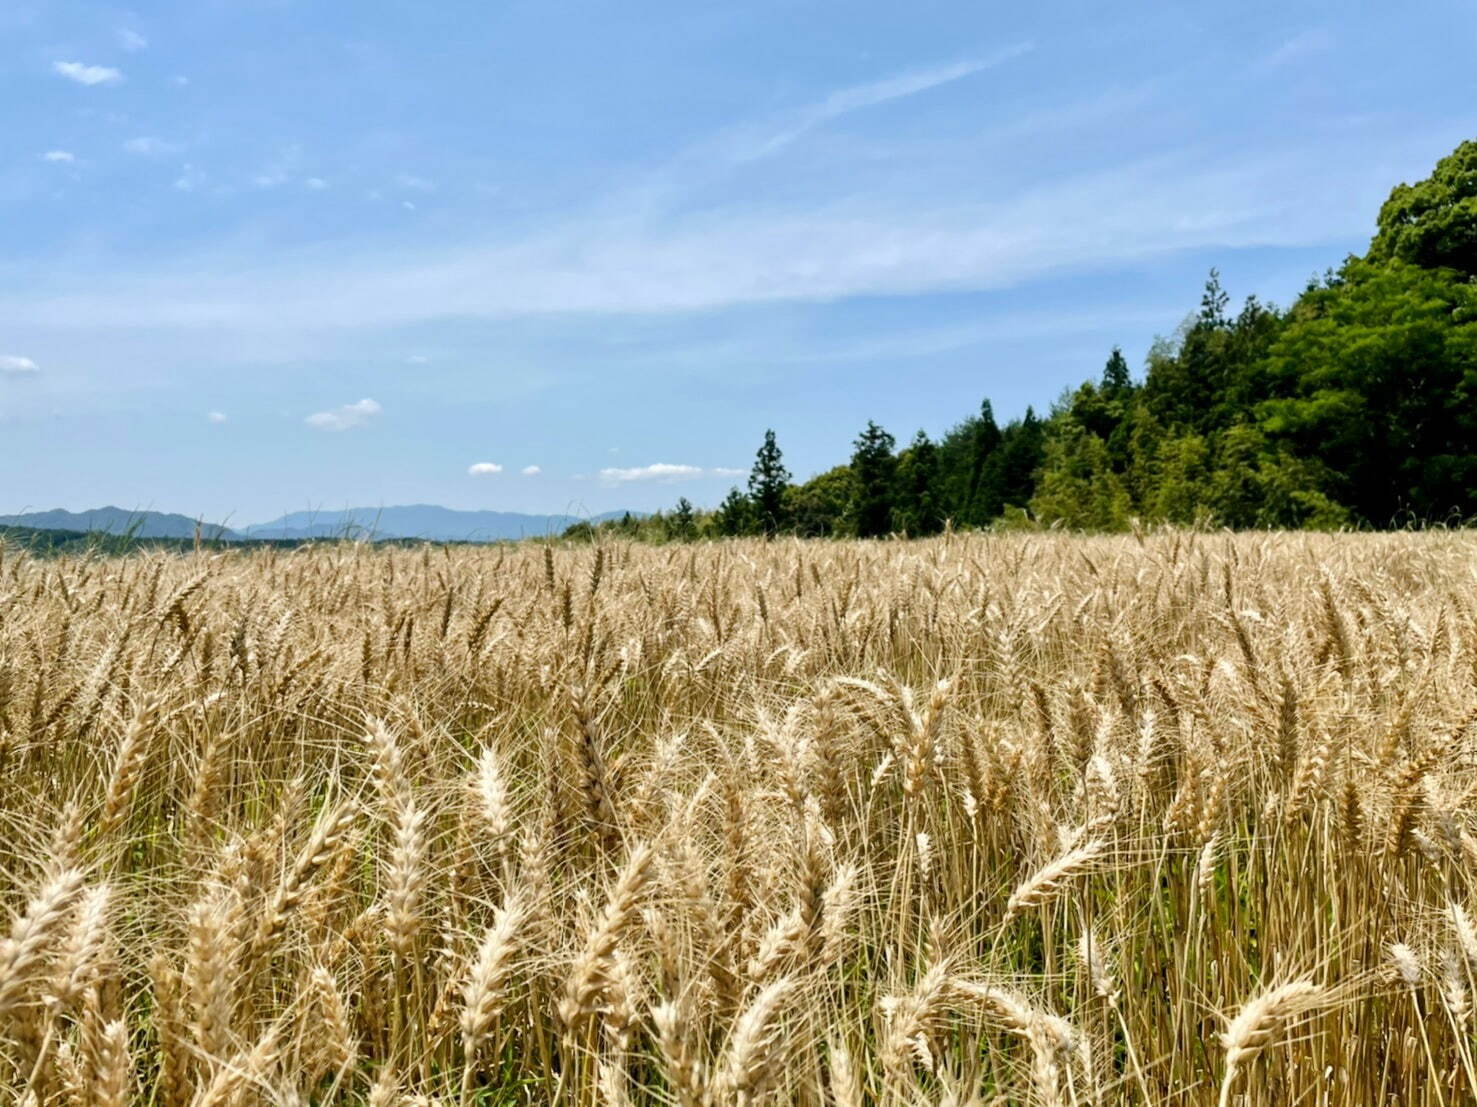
(917, 510)
(982, 503)
(680, 523)
(767, 483)
(874, 466)
(1116, 378)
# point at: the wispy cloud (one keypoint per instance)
(86, 74)
(1318, 40)
(414, 183)
(189, 178)
(315, 184)
(417, 359)
(661, 473)
(749, 144)
(530, 470)
(60, 157)
(14, 364)
(148, 146)
(347, 417)
(131, 40)
(484, 469)
(215, 417)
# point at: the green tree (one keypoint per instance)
(820, 507)
(735, 515)
(874, 467)
(767, 483)
(1375, 379)
(1433, 222)
(1010, 472)
(917, 511)
(682, 523)
(1078, 487)
(1116, 379)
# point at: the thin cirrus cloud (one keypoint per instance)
(662, 472)
(86, 74)
(484, 469)
(131, 40)
(530, 470)
(148, 145)
(15, 365)
(358, 414)
(751, 143)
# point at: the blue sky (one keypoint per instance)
(261, 255)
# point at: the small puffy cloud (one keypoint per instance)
(346, 417)
(60, 157)
(414, 183)
(662, 472)
(722, 472)
(131, 40)
(484, 469)
(86, 74)
(148, 145)
(189, 179)
(215, 417)
(530, 470)
(13, 364)
(417, 359)
(407, 205)
(315, 184)
(179, 82)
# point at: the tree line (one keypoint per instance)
(1354, 406)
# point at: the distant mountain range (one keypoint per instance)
(427, 521)
(116, 521)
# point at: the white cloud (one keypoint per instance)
(131, 40)
(414, 183)
(530, 470)
(1318, 40)
(417, 359)
(407, 205)
(12, 363)
(720, 471)
(179, 82)
(61, 157)
(484, 469)
(86, 74)
(346, 417)
(662, 471)
(750, 143)
(315, 184)
(215, 416)
(189, 178)
(148, 145)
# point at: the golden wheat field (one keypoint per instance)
(1159, 819)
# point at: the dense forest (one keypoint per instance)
(1354, 407)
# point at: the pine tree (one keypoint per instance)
(680, 523)
(874, 466)
(1116, 379)
(917, 504)
(982, 504)
(767, 483)
(734, 514)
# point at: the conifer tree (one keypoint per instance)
(874, 466)
(767, 483)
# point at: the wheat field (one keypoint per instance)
(1167, 818)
